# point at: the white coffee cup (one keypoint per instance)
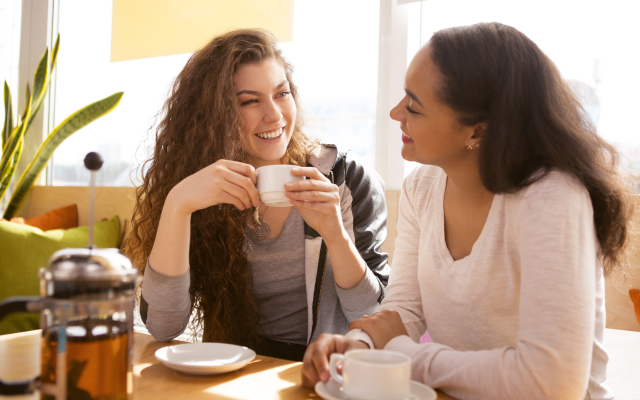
(271, 180)
(373, 374)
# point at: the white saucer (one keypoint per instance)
(205, 358)
(333, 391)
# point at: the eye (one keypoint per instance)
(283, 94)
(246, 103)
(411, 110)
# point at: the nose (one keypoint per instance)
(272, 112)
(397, 112)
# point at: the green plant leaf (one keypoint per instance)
(11, 145)
(73, 123)
(40, 85)
(4, 183)
(54, 53)
(8, 115)
(28, 97)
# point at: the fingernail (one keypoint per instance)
(288, 185)
(325, 377)
(295, 169)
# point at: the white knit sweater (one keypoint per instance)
(521, 317)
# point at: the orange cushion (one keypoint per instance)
(61, 218)
(635, 297)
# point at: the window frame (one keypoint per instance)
(392, 65)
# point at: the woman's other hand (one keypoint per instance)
(382, 326)
(315, 365)
(224, 181)
(318, 202)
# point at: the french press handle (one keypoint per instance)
(10, 306)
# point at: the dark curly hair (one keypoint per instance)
(200, 125)
(495, 74)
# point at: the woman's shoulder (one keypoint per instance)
(422, 179)
(554, 183)
(344, 166)
(553, 189)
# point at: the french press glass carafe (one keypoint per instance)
(86, 307)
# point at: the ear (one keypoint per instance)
(478, 131)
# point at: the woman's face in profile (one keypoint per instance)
(267, 110)
(431, 133)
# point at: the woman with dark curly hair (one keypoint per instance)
(504, 234)
(233, 109)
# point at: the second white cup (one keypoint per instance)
(373, 374)
(271, 180)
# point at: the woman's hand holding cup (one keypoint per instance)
(225, 181)
(318, 202)
(316, 360)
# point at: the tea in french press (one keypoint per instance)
(86, 304)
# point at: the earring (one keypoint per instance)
(473, 146)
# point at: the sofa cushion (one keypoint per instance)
(25, 249)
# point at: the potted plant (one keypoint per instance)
(12, 136)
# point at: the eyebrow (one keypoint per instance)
(413, 96)
(256, 93)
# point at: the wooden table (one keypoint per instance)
(265, 378)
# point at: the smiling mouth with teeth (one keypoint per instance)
(274, 134)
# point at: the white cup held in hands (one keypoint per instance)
(271, 180)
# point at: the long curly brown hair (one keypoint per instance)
(200, 125)
(495, 74)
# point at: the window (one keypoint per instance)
(84, 74)
(335, 56)
(334, 53)
(592, 42)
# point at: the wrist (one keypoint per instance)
(174, 205)
(338, 241)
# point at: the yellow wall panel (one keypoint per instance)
(153, 28)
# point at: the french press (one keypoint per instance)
(86, 307)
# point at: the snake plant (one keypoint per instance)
(13, 135)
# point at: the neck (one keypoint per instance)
(465, 179)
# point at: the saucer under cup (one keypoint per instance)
(271, 181)
(333, 391)
(373, 374)
(205, 358)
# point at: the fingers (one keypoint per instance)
(243, 186)
(361, 323)
(316, 360)
(322, 208)
(320, 358)
(313, 194)
(309, 172)
(309, 374)
(240, 197)
(320, 197)
(226, 198)
(311, 184)
(243, 169)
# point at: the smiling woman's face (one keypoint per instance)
(431, 133)
(267, 110)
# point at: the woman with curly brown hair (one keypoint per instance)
(504, 234)
(233, 109)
